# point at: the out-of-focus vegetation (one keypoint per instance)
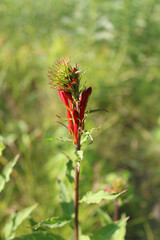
(119, 42)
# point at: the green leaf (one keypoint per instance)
(67, 203)
(15, 220)
(62, 139)
(2, 147)
(96, 197)
(121, 232)
(5, 175)
(39, 236)
(83, 237)
(50, 223)
(86, 136)
(105, 232)
(79, 154)
(96, 110)
(70, 171)
(105, 216)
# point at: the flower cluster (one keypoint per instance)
(66, 79)
(117, 185)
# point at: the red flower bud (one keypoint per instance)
(63, 97)
(70, 86)
(83, 104)
(76, 123)
(74, 80)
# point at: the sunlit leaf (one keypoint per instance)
(2, 147)
(121, 232)
(15, 220)
(5, 175)
(83, 237)
(96, 197)
(79, 154)
(86, 136)
(50, 223)
(39, 236)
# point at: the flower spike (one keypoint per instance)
(66, 79)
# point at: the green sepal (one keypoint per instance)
(97, 197)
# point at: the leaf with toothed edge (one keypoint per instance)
(96, 197)
(50, 223)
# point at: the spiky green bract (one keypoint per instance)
(64, 76)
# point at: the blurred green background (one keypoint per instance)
(118, 42)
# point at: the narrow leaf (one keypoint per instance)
(96, 197)
(70, 171)
(67, 203)
(62, 139)
(5, 175)
(15, 220)
(97, 110)
(50, 223)
(39, 236)
(2, 147)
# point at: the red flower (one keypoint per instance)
(67, 100)
(67, 79)
(76, 126)
(83, 104)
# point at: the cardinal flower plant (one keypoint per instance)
(67, 80)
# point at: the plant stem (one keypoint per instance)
(76, 198)
(116, 209)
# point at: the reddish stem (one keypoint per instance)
(116, 209)
(76, 199)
